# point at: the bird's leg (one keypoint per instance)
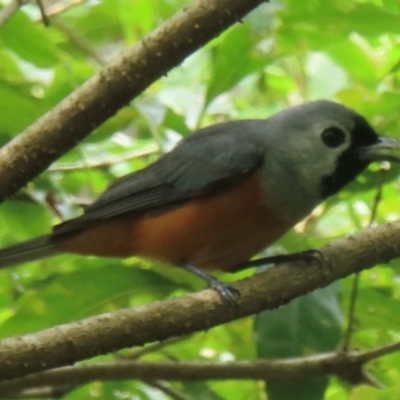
(307, 256)
(228, 293)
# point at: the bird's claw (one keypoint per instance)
(311, 255)
(228, 293)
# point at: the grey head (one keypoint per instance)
(313, 151)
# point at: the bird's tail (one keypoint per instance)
(29, 250)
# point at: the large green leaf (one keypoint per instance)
(29, 40)
(309, 324)
(19, 109)
(99, 287)
(232, 60)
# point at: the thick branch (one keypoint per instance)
(103, 95)
(66, 344)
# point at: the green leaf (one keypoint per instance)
(308, 324)
(356, 61)
(299, 389)
(140, 14)
(328, 18)
(176, 122)
(29, 41)
(367, 392)
(238, 45)
(18, 100)
(104, 286)
(201, 391)
(21, 220)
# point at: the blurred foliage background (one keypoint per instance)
(284, 53)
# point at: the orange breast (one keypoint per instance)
(216, 231)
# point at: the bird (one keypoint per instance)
(223, 194)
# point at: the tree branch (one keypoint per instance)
(333, 363)
(66, 344)
(104, 94)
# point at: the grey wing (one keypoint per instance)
(208, 160)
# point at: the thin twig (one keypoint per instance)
(371, 380)
(351, 312)
(47, 392)
(71, 167)
(151, 348)
(356, 280)
(80, 41)
(42, 9)
(377, 198)
(169, 390)
(379, 352)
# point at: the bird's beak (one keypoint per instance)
(383, 150)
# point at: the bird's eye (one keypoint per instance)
(333, 137)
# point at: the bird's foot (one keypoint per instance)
(228, 293)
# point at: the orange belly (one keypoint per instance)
(217, 231)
